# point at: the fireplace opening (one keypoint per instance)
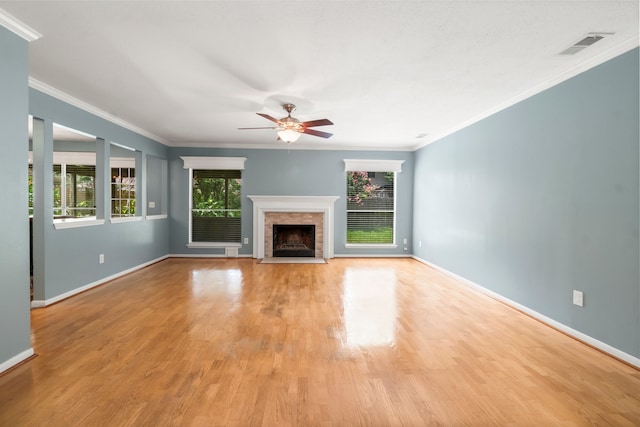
(294, 240)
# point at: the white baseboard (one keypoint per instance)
(372, 256)
(207, 256)
(8, 364)
(606, 348)
(58, 298)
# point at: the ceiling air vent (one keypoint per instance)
(590, 39)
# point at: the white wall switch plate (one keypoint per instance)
(578, 298)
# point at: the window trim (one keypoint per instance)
(63, 195)
(118, 219)
(132, 160)
(372, 165)
(128, 165)
(214, 163)
(154, 217)
(209, 163)
(376, 165)
(59, 224)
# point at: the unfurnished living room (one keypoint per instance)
(320, 213)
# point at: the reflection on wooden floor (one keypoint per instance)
(375, 342)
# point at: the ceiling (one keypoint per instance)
(391, 75)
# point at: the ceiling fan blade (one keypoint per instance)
(268, 127)
(268, 117)
(313, 123)
(317, 133)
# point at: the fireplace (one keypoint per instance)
(295, 229)
(294, 240)
(291, 210)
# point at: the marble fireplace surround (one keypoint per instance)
(294, 204)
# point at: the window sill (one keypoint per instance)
(125, 219)
(371, 245)
(152, 217)
(196, 245)
(76, 222)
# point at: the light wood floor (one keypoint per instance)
(373, 342)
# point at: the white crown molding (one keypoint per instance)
(293, 146)
(602, 57)
(62, 96)
(16, 26)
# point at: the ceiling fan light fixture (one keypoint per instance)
(289, 128)
(288, 135)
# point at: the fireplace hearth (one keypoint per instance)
(294, 240)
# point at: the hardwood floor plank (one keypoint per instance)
(373, 342)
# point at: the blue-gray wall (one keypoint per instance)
(67, 259)
(531, 203)
(541, 199)
(14, 237)
(290, 173)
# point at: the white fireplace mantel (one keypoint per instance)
(263, 204)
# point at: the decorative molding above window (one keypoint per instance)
(122, 162)
(18, 27)
(214, 163)
(371, 165)
(74, 158)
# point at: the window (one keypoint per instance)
(215, 201)
(371, 201)
(74, 190)
(216, 206)
(123, 163)
(370, 207)
(74, 174)
(123, 192)
(30, 188)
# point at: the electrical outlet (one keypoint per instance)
(101, 258)
(152, 205)
(246, 240)
(578, 298)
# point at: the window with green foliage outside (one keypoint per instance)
(216, 206)
(74, 191)
(370, 207)
(123, 192)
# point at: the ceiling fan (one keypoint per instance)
(289, 128)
